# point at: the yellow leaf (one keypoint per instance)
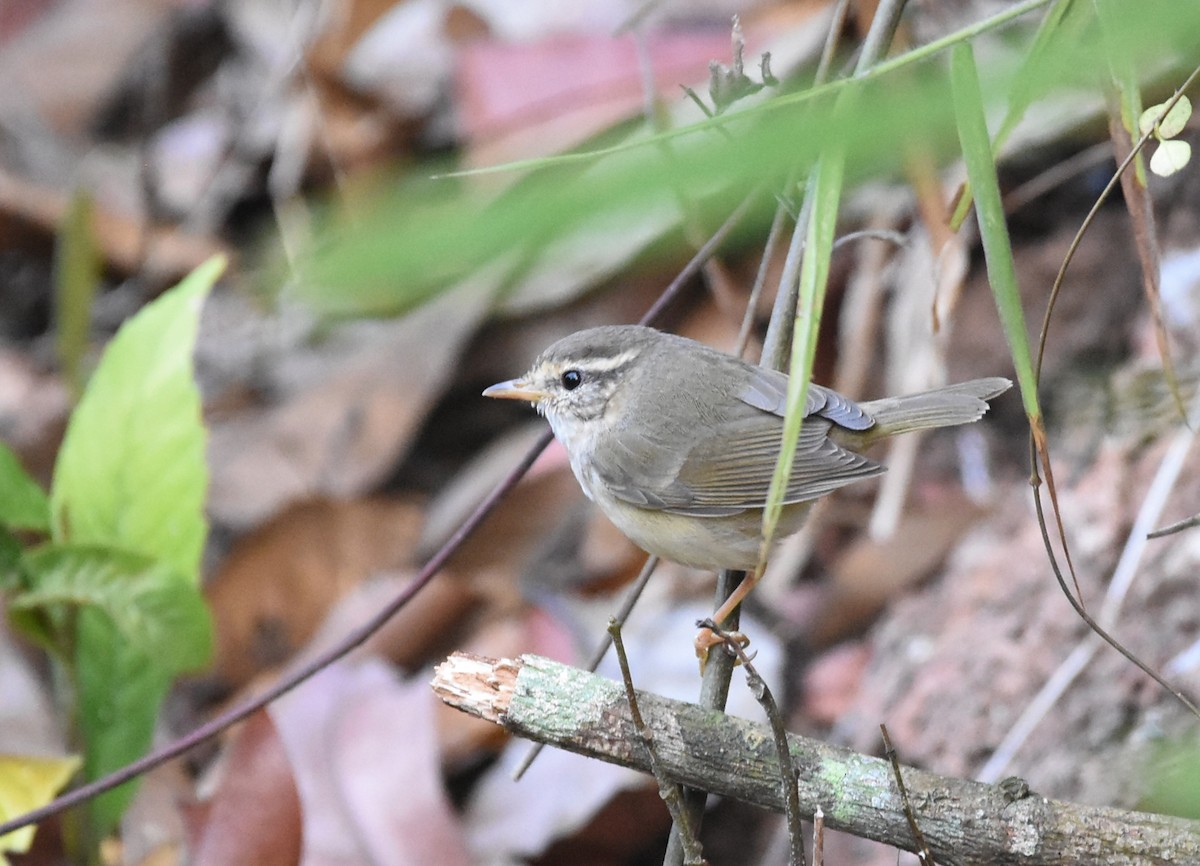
(27, 782)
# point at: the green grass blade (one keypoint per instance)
(77, 269)
(825, 186)
(993, 230)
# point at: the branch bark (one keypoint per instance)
(963, 822)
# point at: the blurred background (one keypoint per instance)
(377, 284)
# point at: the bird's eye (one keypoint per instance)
(571, 379)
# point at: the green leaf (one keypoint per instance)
(825, 184)
(153, 610)
(23, 504)
(427, 237)
(119, 690)
(131, 471)
(993, 230)
(135, 624)
(1172, 780)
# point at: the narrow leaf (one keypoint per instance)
(997, 250)
(77, 267)
(825, 187)
(993, 230)
(131, 471)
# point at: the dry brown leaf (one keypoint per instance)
(363, 746)
(254, 816)
(344, 434)
(520, 529)
(873, 571)
(832, 681)
(432, 623)
(277, 584)
(32, 213)
(521, 100)
(62, 72)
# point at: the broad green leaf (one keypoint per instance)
(77, 270)
(153, 611)
(128, 625)
(23, 504)
(28, 782)
(119, 691)
(131, 471)
(1170, 157)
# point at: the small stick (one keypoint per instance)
(671, 792)
(787, 769)
(819, 837)
(923, 852)
(622, 615)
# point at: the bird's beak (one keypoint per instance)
(515, 389)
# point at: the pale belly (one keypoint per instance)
(701, 542)
(713, 543)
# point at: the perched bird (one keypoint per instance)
(677, 442)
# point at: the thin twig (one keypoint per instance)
(787, 768)
(760, 280)
(818, 837)
(1153, 503)
(621, 617)
(671, 792)
(889, 752)
(714, 694)
(1186, 523)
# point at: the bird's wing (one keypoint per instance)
(731, 459)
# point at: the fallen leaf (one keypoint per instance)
(345, 434)
(277, 584)
(254, 815)
(363, 747)
(27, 782)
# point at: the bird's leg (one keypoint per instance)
(705, 638)
(737, 596)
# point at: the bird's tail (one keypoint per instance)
(942, 407)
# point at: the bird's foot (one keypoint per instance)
(706, 639)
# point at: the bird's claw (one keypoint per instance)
(706, 639)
